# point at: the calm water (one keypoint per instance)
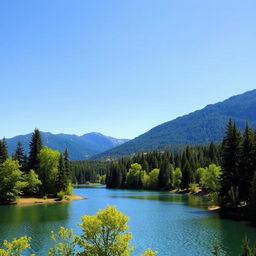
(171, 224)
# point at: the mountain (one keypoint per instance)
(79, 147)
(200, 127)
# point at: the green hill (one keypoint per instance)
(200, 127)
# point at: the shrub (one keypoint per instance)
(61, 195)
(69, 190)
(193, 187)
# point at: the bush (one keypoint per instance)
(61, 195)
(193, 187)
(69, 190)
(214, 198)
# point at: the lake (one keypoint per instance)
(168, 223)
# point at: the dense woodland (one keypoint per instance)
(89, 171)
(227, 170)
(43, 172)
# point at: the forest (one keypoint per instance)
(44, 172)
(227, 171)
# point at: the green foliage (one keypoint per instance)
(192, 187)
(69, 190)
(66, 242)
(3, 151)
(32, 182)
(149, 252)
(61, 195)
(11, 184)
(168, 162)
(20, 156)
(209, 177)
(62, 179)
(15, 247)
(230, 162)
(187, 175)
(247, 165)
(153, 179)
(48, 169)
(35, 148)
(214, 198)
(102, 235)
(88, 171)
(135, 176)
(176, 176)
(164, 175)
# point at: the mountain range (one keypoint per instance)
(79, 147)
(200, 127)
(197, 128)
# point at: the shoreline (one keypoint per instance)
(37, 200)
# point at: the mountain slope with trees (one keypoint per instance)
(198, 128)
(79, 147)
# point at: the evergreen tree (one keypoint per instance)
(213, 154)
(35, 147)
(20, 156)
(114, 179)
(246, 170)
(230, 162)
(67, 166)
(61, 181)
(3, 151)
(187, 175)
(164, 175)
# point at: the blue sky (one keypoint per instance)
(120, 67)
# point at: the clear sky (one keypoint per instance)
(120, 67)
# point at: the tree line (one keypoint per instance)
(228, 169)
(89, 171)
(162, 170)
(40, 173)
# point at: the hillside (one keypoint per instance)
(200, 127)
(79, 147)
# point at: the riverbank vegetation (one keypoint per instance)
(104, 234)
(226, 171)
(44, 172)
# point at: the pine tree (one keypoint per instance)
(213, 154)
(164, 175)
(20, 156)
(3, 151)
(230, 162)
(114, 176)
(67, 166)
(35, 147)
(61, 182)
(246, 170)
(187, 174)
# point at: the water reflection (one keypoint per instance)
(34, 221)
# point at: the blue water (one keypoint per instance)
(170, 224)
